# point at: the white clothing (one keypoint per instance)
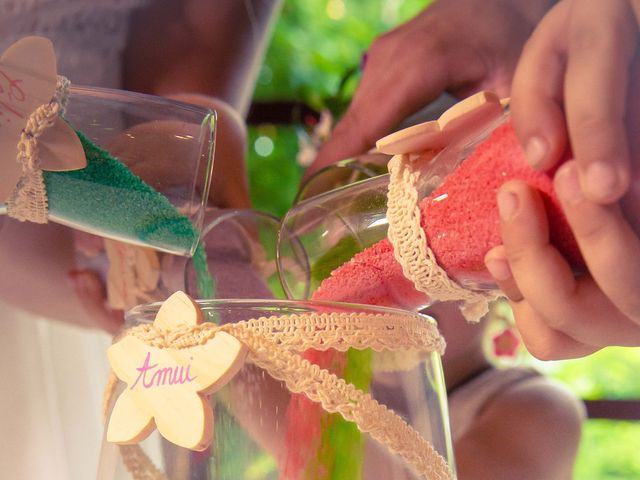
(53, 374)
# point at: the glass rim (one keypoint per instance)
(137, 313)
(231, 213)
(88, 90)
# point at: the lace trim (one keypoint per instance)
(411, 248)
(273, 343)
(28, 202)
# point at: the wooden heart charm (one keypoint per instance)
(28, 80)
(167, 388)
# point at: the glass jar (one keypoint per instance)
(455, 190)
(252, 430)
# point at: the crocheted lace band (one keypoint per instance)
(411, 248)
(28, 202)
(274, 344)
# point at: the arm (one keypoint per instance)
(199, 46)
(458, 46)
(207, 53)
(37, 275)
(530, 431)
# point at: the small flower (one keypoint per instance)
(506, 343)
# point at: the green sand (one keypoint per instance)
(107, 197)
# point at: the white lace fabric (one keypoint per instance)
(89, 36)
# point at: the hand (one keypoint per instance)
(578, 80)
(580, 60)
(460, 46)
(559, 314)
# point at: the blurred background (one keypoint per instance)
(308, 77)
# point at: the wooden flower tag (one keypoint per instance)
(460, 120)
(167, 388)
(28, 76)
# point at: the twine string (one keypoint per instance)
(28, 201)
(411, 247)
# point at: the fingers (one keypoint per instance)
(536, 97)
(575, 307)
(383, 99)
(497, 263)
(577, 63)
(609, 245)
(602, 38)
(543, 341)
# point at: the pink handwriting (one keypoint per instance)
(152, 376)
(10, 94)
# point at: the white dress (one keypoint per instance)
(53, 374)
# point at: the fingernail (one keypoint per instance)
(499, 269)
(602, 181)
(536, 150)
(567, 183)
(507, 204)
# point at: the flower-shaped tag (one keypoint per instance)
(168, 387)
(28, 77)
(460, 120)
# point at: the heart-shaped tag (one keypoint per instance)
(28, 79)
(167, 388)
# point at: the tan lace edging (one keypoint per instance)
(411, 248)
(273, 343)
(28, 201)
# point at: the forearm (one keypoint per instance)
(199, 46)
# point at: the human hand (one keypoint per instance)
(559, 314)
(570, 88)
(460, 46)
(577, 84)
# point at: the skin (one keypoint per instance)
(576, 85)
(179, 50)
(547, 441)
(483, 58)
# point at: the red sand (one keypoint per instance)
(460, 220)
(460, 229)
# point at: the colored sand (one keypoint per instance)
(204, 280)
(107, 199)
(460, 217)
(460, 220)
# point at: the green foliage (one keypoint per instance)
(609, 451)
(274, 178)
(316, 42)
(609, 373)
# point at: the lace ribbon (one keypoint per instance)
(411, 248)
(29, 202)
(274, 343)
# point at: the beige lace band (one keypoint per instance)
(411, 248)
(28, 202)
(274, 344)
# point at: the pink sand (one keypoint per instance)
(460, 229)
(460, 220)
